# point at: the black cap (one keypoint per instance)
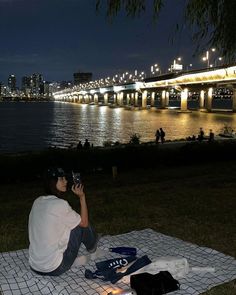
(54, 172)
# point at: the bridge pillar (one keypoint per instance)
(115, 98)
(234, 99)
(86, 98)
(136, 99)
(201, 99)
(209, 99)
(184, 100)
(128, 99)
(132, 98)
(144, 99)
(153, 99)
(105, 98)
(163, 97)
(167, 99)
(120, 98)
(80, 98)
(96, 98)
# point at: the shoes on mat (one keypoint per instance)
(93, 250)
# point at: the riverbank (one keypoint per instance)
(36, 126)
(29, 166)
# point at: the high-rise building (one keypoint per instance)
(80, 78)
(25, 85)
(36, 81)
(45, 90)
(12, 83)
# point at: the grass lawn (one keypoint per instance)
(195, 203)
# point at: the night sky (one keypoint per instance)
(59, 37)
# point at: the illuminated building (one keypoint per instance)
(12, 83)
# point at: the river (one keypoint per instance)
(30, 126)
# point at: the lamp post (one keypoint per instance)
(142, 75)
(207, 57)
(189, 66)
(219, 59)
(155, 68)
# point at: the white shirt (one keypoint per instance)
(50, 222)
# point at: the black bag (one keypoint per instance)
(158, 284)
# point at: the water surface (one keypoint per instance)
(39, 125)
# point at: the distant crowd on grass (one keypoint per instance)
(201, 136)
(160, 135)
(159, 138)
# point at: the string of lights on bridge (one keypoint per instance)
(155, 70)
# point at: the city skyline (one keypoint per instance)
(59, 39)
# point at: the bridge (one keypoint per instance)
(137, 94)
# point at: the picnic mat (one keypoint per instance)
(17, 278)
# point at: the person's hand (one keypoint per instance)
(78, 190)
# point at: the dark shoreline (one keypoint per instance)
(28, 166)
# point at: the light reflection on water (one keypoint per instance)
(33, 126)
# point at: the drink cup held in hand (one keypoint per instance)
(76, 178)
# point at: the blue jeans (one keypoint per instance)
(78, 235)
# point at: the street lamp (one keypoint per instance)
(189, 66)
(142, 75)
(154, 69)
(207, 57)
(219, 59)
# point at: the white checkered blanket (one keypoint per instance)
(16, 278)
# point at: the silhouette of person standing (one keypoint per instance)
(162, 134)
(157, 135)
(201, 135)
(211, 136)
(79, 145)
(86, 144)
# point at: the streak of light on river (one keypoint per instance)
(38, 125)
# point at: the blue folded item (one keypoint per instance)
(131, 251)
(105, 275)
(110, 274)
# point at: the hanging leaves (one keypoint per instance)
(133, 8)
(214, 25)
(213, 21)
